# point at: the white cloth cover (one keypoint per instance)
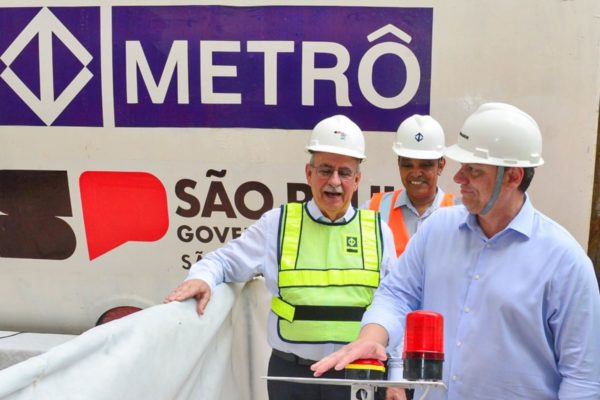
(164, 352)
(16, 347)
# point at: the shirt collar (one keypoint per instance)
(403, 200)
(314, 212)
(521, 223)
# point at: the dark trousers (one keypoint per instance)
(281, 390)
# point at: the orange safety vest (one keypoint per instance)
(396, 219)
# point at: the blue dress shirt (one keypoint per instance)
(521, 309)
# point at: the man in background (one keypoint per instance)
(419, 144)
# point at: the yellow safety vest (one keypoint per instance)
(328, 274)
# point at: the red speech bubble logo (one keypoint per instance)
(121, 207)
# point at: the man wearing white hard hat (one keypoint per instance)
(518, 294)
(321, 260)
(419, 144)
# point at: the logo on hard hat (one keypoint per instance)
(419, 137)
(342, 134)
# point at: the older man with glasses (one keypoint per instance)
(322, 261)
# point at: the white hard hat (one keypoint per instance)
(420, 137)
(338, 135)
(499, 134)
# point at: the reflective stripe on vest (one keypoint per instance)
(394, 218)
(332, 277)
(327, 275)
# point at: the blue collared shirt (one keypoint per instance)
(255, 252)
(521, 309)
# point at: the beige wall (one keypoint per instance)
(540, 55)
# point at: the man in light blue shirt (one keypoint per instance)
(322, 260)
(518, 294)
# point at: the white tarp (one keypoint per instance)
(18, 346)
(164, 352)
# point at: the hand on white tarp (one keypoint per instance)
(196, 288)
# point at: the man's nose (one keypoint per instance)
(460, 177)
(418, 172)
(335, 179)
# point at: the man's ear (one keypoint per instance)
(514, 176)
(308, 172)
(441, 165)
(357, 179)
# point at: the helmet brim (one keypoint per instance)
(336, 150)
(418, 154)
(458, 154)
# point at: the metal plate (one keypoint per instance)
(349, 382)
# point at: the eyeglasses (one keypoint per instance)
(326, 172)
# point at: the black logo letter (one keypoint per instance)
(32, 201)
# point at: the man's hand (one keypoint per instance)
(360, 348)
(196, 288)
(370, 344)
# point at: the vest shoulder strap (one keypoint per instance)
(375, 201)
(448, 200)
(289, 231)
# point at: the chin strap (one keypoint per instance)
(497, 186)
